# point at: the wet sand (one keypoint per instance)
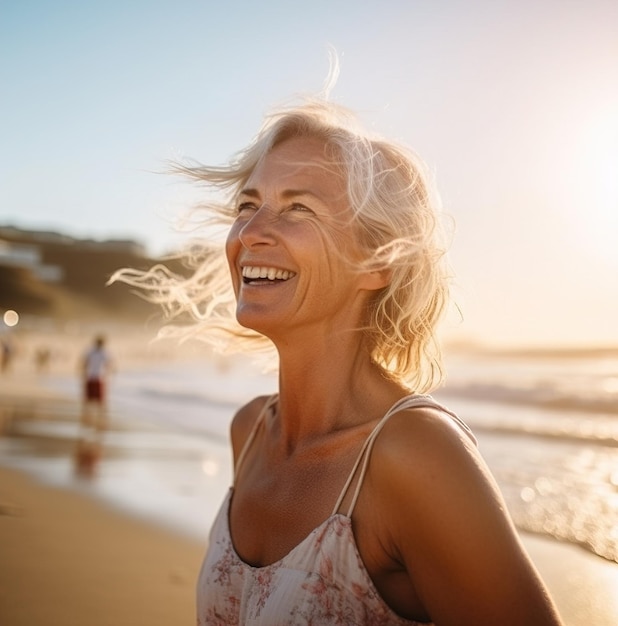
(69, 557)
(70, 560)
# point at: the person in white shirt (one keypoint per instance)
(96, 365)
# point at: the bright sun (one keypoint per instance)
(600, 223)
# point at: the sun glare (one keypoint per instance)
(601, 213)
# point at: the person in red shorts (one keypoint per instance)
(96, 365)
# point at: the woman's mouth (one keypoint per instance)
(253, 274)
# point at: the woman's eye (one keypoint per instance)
(246, 207)
(300, 207)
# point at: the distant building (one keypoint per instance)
(12, 234)
(115, 245)
(44, 273)
(29, 256)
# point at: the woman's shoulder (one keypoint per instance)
(244, 421)
(423, 421)
(438, 505)
(421, 446)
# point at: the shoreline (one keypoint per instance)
(48, 520)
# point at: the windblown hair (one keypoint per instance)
(395, 211)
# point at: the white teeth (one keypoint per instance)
(271, 273)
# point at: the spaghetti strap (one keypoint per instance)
(408, 402)
(260, 418)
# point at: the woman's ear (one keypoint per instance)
(376, 279)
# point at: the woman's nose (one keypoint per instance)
(259, 228)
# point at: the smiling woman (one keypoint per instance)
(288, 230)
(373, 183)
(357, 499)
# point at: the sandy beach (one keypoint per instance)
(69, 557)
(70, 560)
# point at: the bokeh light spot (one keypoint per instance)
(11, 318)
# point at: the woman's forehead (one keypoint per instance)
(300, 161)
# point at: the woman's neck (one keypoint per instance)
(329, 386)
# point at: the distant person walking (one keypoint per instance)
(6, 354)
(96, 365)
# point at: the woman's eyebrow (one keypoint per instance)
(286, 194)
(252, 193)
(295, 193)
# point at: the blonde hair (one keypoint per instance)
(395, 211)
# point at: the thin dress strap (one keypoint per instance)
(408, 402)
(258, 422)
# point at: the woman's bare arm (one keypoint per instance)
(450, 528)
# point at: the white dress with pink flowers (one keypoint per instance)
(320, 582)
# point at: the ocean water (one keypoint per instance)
(547, 426)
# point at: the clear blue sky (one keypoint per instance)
(513, 103)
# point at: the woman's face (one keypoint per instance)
(287, 248)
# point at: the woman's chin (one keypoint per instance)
(259, 322)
